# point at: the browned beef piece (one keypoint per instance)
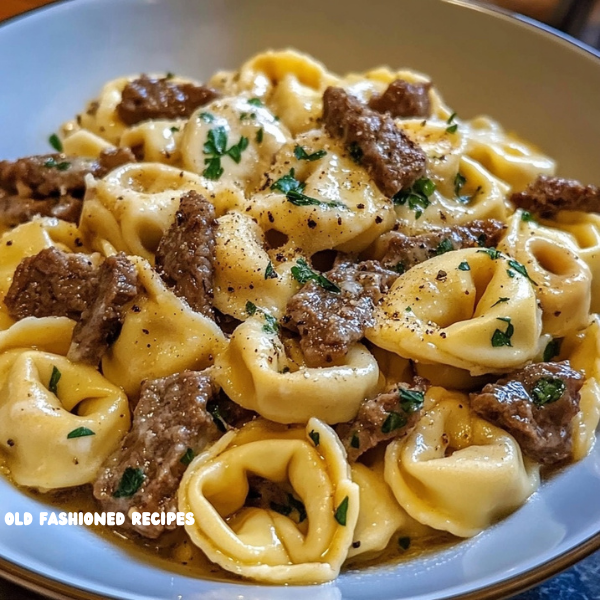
(52, 284)
(170, 426)
(57, 174)
(330, 323)
(536, 406)
(403, 99)
(150, 98)
(15, 210)
(390, 157)
(266, 494)
(393, 414)
(402, 252)
(186, 254)
(548, 195)
(100, 323)
(227, 414)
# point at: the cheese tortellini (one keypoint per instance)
(307, 547)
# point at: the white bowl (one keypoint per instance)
(534, 82)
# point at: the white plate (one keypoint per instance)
(542, 86)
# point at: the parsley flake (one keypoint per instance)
(527, 217)
(250, 308)
(492, 253)
(502, 338)
(219, 421)
(170, 75)
(55, 142)
(80, 432)
(54, 379)
(547, 390)
(187, 457)
(260, 135)
(444, 246)
(355, 152)
(302, 273)
(399, 268)
(417, 197)
(355, 440)
(500, 301)
(59, 166)
(315, 436)
(215, 148)
(174, 129)
(292, 188)
(459, 183)
(301, 154)
(552, 349)
(464, 266)
(298, 507)
(271, 324)
(255, 102)
(519, 268)
(452, 126)
(341, 512)
(206, 117)
(270, 272)
(130, 483)
(411, 400)
(394, 421)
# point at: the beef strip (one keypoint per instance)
(51, 284)
(57, 174)
(401, 252)
(331, 323)
(148, 98)
(279, 497)
(227, 414)
(390, 157)
(51, 185)
(170, 422)
(101, 321)
(548, 195)
(536, 405)
(186, 254)
(60, 284)
(403, 99)
(392, 414)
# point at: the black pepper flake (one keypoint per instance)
(135, 308)
(9, 243)
(360, 206)
(11, 443)
(145, 331)
(378, 220)
(356, 544)
(312, 224)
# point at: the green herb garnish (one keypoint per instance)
(219, 421)
(500, 301)
(411, 400)
(188, 457)
(55, 142)
(547, 390)
(80, 432)
(174, 129)
(355, 440)
(315, 436)
(206, 117)
(394, 421)
(130, 483)
(417, 197)
(59, 166)
(255, 102)
(270, 272)
(341, 512)
(502, 338)
(552, 349)
(301, 154)
(259, 135)
(250, 308)
(459, 183)
(54, 379)
(492, 253)
(444, 246)
(464, 266)
(452, 126)
(298, 507)
(527, 217)
(302, 273)
(519, 268)
(399, 268)
(292, 188)
(355, 152)
(216, 148)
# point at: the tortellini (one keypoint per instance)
(256, 372)
(475, 309)
(457, 472)
(306, 547)
(59, 421)
(563, 281)
(161, 335)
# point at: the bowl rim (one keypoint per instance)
(502, 589)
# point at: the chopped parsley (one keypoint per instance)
(355, 440)
(301, 154)
(217, 417)
(170, 75)
(302, 273)
(500, 301)
(404, 543)
(399, 268)
(271, 325)
(298, 507)
(80, 432)
(394, 421)
(54, 379)
(417, 197)
(464, 266)
(250, 308)
(216, 148)
(188, 457)
(245, 115)
(206, 117)
(527, 217)
(492, 253)
(260, 135)
(315, 436)
(341, 512)
(55, 142)
(59, 166)
(255, 102)
(452, 126)
(130, 483)
(547, 390)
(292, 188)
(355, 152)
(519, 268)
(174, 129)
(444, 246)
(510, 273)
(411, 400)
(270, 272)
(459, 183)
(552, 349)
(502, 338)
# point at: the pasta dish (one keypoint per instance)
(285, 321)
